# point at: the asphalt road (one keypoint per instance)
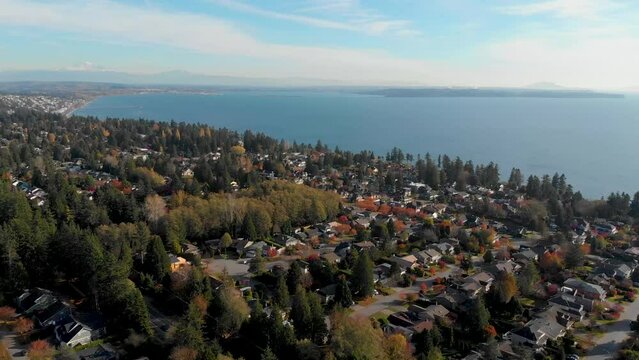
(384, 302)
(12, 344)
(610, 342)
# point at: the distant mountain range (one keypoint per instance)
(489, 92)
(163, 78)
(545, 85)
(95, 83)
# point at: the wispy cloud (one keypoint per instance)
(600, 62)
(86, 66)
(588, 9)
(111, 21)
(352, 17)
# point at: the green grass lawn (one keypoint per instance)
(527, 302)
(381, 315)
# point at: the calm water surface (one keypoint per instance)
(593, 141)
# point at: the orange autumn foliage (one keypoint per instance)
(40, 350)
(367, 204)
(551, 262)
(343, 228)
(490, 330)
(23, 325)
(384, 209)
(7, 313)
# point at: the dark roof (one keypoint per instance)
(101, 352)
(566, 300)
(527, 333)
(328, 290)
(69, 330)
(51, 311)
(37, 298)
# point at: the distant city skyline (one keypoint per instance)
(575, 43)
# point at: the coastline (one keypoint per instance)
(79, 105)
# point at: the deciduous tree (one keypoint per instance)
(504, 286)
(228, 311)
(40, 350)
(356, 338)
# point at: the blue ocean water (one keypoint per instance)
(593, 141)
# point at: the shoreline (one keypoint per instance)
(590, 187)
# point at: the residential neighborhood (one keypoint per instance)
(149, 243)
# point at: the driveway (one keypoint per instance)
(160, 322)
(12, 344)
(394, 299)
(233, 267)
(610, 342)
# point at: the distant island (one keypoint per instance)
(487, 92)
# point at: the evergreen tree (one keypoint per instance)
(249, 228)
(301, 314)
(281, 297)
(634, 206)
(391, 228)
(363, 280)
(488, 256)
(156, 261)
(515, 180)
(189, 329)
(475, 321)
(294, 277)
(343, 295)
(258, 265)
(574, 256)
(268, 355)
(319, 331)
(527, 279)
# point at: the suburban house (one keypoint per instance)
(484, 279)
(570, 301)
(327, 293)
(437, 312)
(363, 245)
(451, 300)
(507, 266)
(526, 255)
(286, 240)
(614, 270)
(100, 352)
(428, 256)
(75, 333)
(330, 257)
(405, 262)
(34, 300)
(539, 330)
(52, 315)
(585, 289)
(177, 262)
(443, 248)
(241, 245)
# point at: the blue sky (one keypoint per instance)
(577, 43)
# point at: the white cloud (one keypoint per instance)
(86, 66)
(111, 21)
(604, 62)
(588, 9)
(357, 21)
(599, 57)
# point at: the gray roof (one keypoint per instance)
(584, 286)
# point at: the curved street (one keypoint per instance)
(607, 345)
